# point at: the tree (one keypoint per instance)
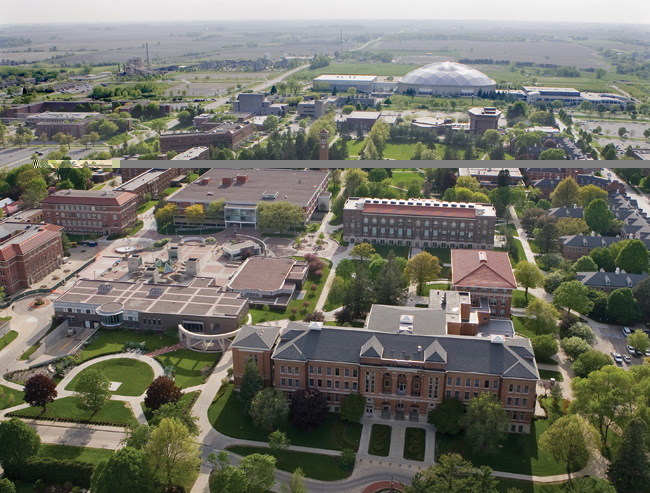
(503, 179)
(566, 193)
(280, 216)
(531, 216)
(592, 360)
(583, 331)
(453, 474)
(278, 441)
(258, 473)
(269, 408)
(598, 216)
(541, 317)
(629, 472)
(633, 257)
(6, 486)
(92, 390)
(377, 175)
(18, 442)
(296, 484)
(568, 226)
(195, 214)
(158, 126)
(641, 293)
(184, 117)
(40, 390)
(491, 138)
(179, 411)
(174, 453)
(603, 258)
(389, 283)
(547, 238)
(271, 123)
(420, 269)
(215, 209)
(162, 391)
(602, 397)
(589, 484)
(545, 347)
(251, 383)
(446, 416)
(589, 193)
(639, 340)
(585, 264)
(622, 131)
(93, 137)
(309, 409)
(622, 307)
(484, 424)
(362, 251)
(353, 407)
(35, 191)
(568, 440)
(165, 214)
(360, 295)
(573, 347)
(136, 435)
(528, 275)
(85, 140)
(353, 178)
(573, 295)
(127, 470)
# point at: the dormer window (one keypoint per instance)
(607, 280)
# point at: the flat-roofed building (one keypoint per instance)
(199, 307)
(28, 253)
(243, 190)
(257, 104)
(99, 212)
(269, 281)
(363, 83)
(193, 154)
(152, 182)
(482, 119)
(419, 222)
(315, 108)
(51, 117)
(568, 95)
(230, 134)
(489, 177)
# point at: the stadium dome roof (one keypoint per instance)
(447, 74)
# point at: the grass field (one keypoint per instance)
(519, 298)
(520, 327)
(134, 375)
(529, 487)
(315, 466)
(171, 190)
(384, 250)
(443, 254)
(380, 440)
(259, 315)
(66, 408)
(112, 341)
(415, 442)
(146, 206)
(533, 246)
(5, 400)
(520, 253)
(405, 178)
(227, 418)
(361, 68)
(188, 365)
(548, 374)
(6, 339)
(518, 455)
(25, 356)
(68, 452)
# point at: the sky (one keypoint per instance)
(598, 11)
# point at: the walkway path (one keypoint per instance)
(165, 350)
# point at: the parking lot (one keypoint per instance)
(610, 339)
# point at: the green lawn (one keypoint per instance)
(533, 246)
(520, 327)
(171, 190)
(315, 466)
(518, 455)
(5, 400)
(355, 146)
(66, 408)
(6, 339)
(519, 298)
(443, 254)
(380, 440)
(118, 139)
(113, 341)
(511, 227)
(188, 365)
(259, 315)
(68, 452)
(520, 253)
(226, 418)
(384, 250)
(442, 286)
(415, 442)
(25, 356)
(152, 419)
(134, 375)
(529, 487)
(548, 374)
(405, 177)
(146, 206)
(361, 68)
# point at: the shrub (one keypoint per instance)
(52, 471)
(316, 316)
(346, 460)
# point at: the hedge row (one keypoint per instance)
(64, 420)
(52, 471)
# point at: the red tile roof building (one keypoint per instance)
(485, 275)
(28, 253)
(97, 212)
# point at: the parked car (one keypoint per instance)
(617, 358)
(627, 359)
(647, 352)
(639, 353)
(626, 331)
(630, 349)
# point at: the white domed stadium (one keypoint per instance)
(445, 79)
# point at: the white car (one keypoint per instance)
(627, 359)
(630, 350)
(626, 331)
(617, 358)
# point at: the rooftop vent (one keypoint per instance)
(155, 292)
(105, 288)
(482, 256)
(316, 326)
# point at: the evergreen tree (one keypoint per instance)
(251, 383)
(389, 285)
(629, 472)
(360, 295)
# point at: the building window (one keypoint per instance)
(449, 380)
(510, 388)
(524, 402)
(289, 370)
(329, 371)
(283, 382)
(514, 416)
(466, 396)
(282, 369)
(370, 382)
(296, 371)
(311, 382)
(336, 384)
(320, 370)
(354, 373)
(457, 394)
(311, 369)
(449, 393)
(355, 386)
(526, 389)
(291, 382)
(517, 401)
(519, 389)
(346, 385)
(476, 383)
(319, 383)
(346, 372)
(458, 382)
(486, 384)
(495, 384)
(509, 401)
(468, 382)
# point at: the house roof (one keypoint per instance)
(26, 237)
(264, 274)
(90, 197)
(511, 358)
(385, 318)
(574, 212)
(256, 337)
(482, 268)
(611, 280)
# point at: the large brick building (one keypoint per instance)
(230, 134)
(28, 253)
(99, 212)
(419, 223)
(152, 182)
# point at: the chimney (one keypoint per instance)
(575, 206)
(148, 62)
(243, 178)
(226, 180)
(618, 270)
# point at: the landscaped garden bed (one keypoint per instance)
(114, 413)
(190, 368)
(135, 376)
(415, 442)
(380, 440)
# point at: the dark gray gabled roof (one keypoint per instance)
(461, 353)
(256, 337)
(435, 353)
(372, 348)
(610, 279)
(589, 241)
(575, 212)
